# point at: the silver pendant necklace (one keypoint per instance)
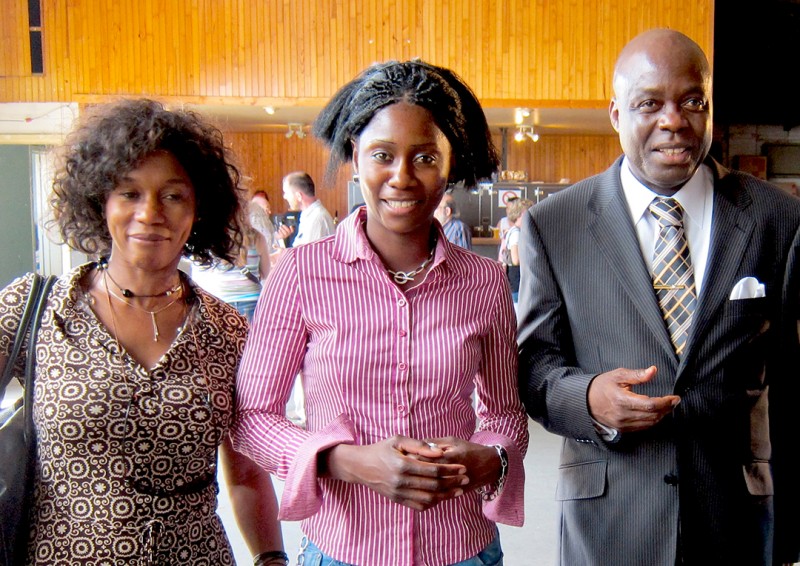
(152, 314)
(403, 277)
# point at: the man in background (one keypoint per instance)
(315, 221)
(259, 213)
(455, 229)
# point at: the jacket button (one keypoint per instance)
(671, 479)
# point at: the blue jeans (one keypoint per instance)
(310, 555)
(247, 308)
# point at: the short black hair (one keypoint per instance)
(301, 181)
(112, 140)
(453, 105)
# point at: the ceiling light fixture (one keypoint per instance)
(269, 110)
(295, 129)
(524, 131)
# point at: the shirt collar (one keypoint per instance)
(351, 243)
(692, 196)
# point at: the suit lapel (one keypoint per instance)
(731, 230)
(616, 237)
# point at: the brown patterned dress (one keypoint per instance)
(126, 463)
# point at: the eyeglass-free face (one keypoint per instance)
(150, 213)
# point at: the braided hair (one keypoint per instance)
(454, 107)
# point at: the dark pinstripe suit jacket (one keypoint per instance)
(703, 475)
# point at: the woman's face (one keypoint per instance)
(150, 213)
(403, 162)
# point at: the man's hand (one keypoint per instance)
(613, 403)
(400, 468)
(284, 231)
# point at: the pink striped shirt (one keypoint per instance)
(378, 362)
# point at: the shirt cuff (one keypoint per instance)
(302, 496)
(509, 505)
(607, 433)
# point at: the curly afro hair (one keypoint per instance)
(113, 140)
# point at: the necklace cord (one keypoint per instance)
(127, 293)
(153, 313)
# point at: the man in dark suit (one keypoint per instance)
(658, 336)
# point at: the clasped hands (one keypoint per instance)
(416, 473)
(613, 402)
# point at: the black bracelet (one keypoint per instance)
(267, 557)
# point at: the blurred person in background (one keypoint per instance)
(455, 229)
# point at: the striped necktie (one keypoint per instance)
(673, 274)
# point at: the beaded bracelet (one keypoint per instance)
(489, 492)
(271, 557)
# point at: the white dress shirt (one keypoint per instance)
(697, 199)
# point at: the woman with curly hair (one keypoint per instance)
(135, 364)
(415, 432)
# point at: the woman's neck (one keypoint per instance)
(143, 283)
(402, 252)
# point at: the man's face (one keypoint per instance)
(290, 196)
(442, 212)
(662, 112)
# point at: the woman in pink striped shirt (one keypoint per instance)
(395, 329)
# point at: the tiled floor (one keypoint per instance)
(531, 545)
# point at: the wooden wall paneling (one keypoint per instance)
(245, 47)
(299, 47)
(223, 43)
(172, 26)
(206, 24)
(145, 61)
(261, 60)
(15, 55)
(556, 157)
(351, 32)
(513, 52)
(280, 26)
(52, 49)
(114, 74)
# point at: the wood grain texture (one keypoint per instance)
(554, 51)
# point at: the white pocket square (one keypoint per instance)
(747, 288)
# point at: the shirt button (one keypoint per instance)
(401, 303)
(402, 366)
(403, 333)
(401, 409)
(671, 479)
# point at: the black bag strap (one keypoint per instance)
(30, 362)
(22, 331)
(28, 325)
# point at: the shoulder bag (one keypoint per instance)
(17, 440)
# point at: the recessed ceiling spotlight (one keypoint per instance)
(269, 110)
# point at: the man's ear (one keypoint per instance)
(613, 114)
